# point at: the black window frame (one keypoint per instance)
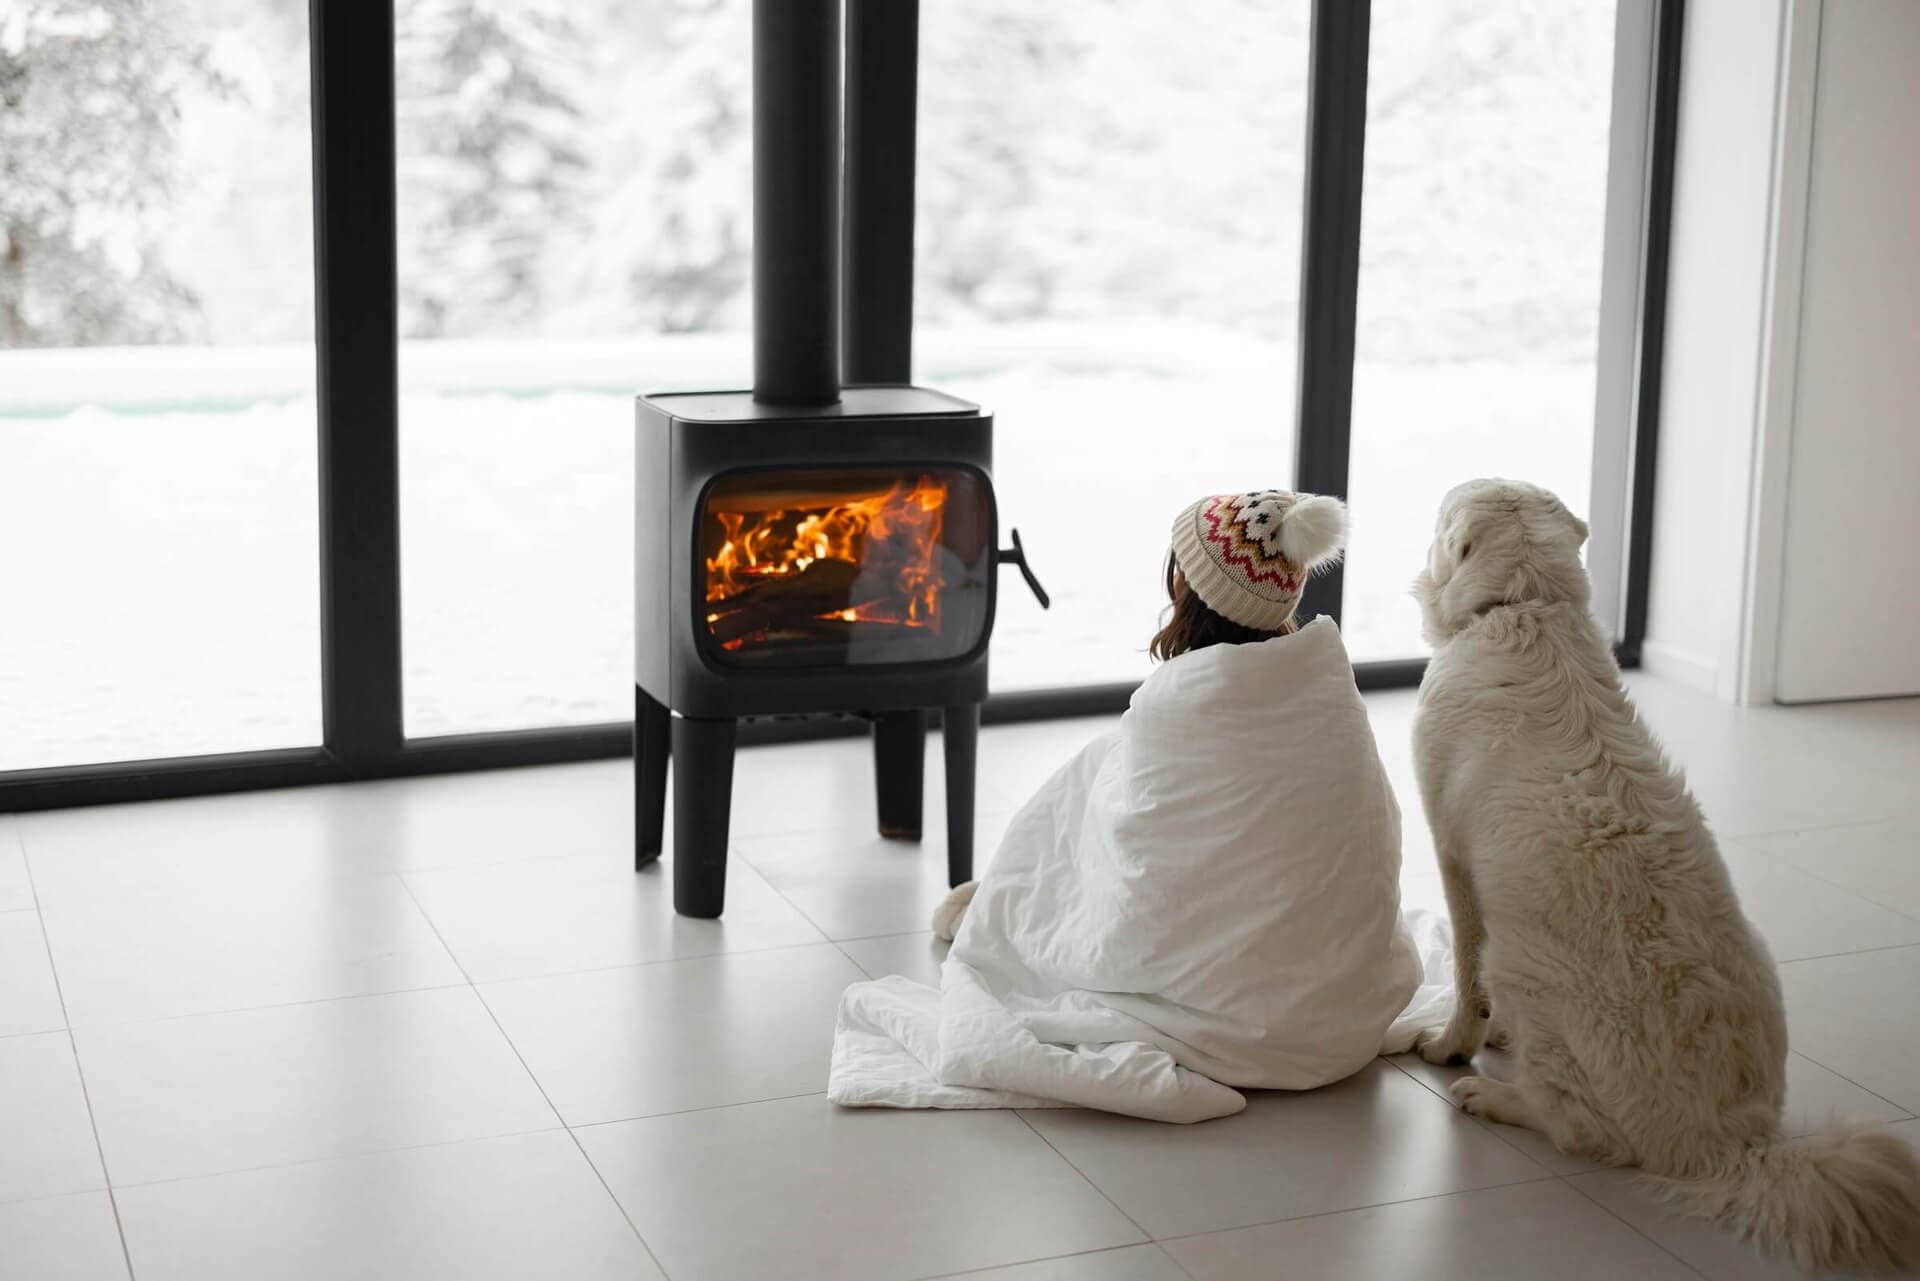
(357, 354)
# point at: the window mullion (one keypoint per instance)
(356, 338)
(1330, 261)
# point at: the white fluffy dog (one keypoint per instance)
(1592, 914)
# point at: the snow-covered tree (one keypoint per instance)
(1110, 159)
(1487, 135)
(672, 230)
(490, 165)
(996, 95)
(90, 94)
(694, 195)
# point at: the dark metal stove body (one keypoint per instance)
(700, 670)
(688, 445)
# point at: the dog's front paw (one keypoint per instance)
(1491, 1100)
(1445, 1043)
(1475, 1094)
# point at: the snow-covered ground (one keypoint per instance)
(160, 559)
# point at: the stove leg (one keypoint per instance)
(651, 735)
(962, 735)
(702, 795)
(899, 772)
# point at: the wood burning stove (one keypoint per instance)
(806, 548)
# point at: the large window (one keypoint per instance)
(1480, 255)
(573, 227)
(1108, 258)
(321, 323)
(158, 559)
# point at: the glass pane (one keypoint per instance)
(158, 498)
(842, 568)
(1108, 259)
(1480, 248)
(574, 228)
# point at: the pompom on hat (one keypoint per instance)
(1247, 556)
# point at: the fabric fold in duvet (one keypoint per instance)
(1202, 901)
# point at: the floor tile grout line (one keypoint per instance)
(1355, 1209)
(73, 1048)
(40, 1198)
(93, 1123)
(107, 1174)
(357, 1155)
(1086, 1178)
(632, 1227)
(782, 896)
(406, 870)
(66, 1022)
(492, 1018)
(1489, 1126)
(1794, 829)
(657, 961)
(1174, 1259)
(276, 1005)
(18, 829)
(1844, 888)
(853, 961)
(1828, 1067)
(1572, 1181)
(705, 1107)
(528, 1069)
(1055, 1258)
(1910, 1114)
(53, 966)
(890, 934)
(1865, 951)
(433, 987)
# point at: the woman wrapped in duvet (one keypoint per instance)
(1205, 898)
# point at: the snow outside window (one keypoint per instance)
(159, 562)
(1480, 247)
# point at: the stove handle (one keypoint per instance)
(1017, 555)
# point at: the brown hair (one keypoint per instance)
(1192, 624)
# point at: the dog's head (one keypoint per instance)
(1499, 542)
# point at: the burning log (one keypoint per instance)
(823, 587)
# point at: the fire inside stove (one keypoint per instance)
(844, 567)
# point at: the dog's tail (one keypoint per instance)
(1846, 1199)
(947, 917)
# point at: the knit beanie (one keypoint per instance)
(1248, 555)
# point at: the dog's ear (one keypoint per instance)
(1575, 526)
(1313, 531)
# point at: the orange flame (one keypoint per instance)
(891, 537)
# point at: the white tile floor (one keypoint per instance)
(439, 1029)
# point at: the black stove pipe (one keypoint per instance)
(796, 201)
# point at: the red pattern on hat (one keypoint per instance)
(1240, 552)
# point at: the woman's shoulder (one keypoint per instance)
(1250, 677)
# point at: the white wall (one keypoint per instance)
(1849, 605)
(1717, 299)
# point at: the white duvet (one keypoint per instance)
(1202, 901)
